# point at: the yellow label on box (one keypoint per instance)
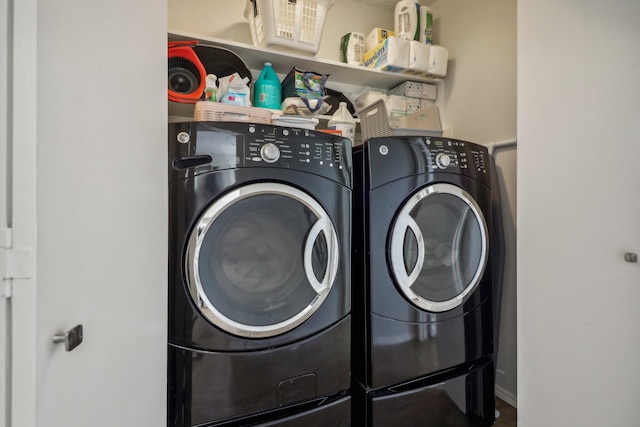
(376, 36)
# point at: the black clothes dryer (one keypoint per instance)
(422, 283)
(259, 276)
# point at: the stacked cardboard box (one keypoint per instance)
(415, 96)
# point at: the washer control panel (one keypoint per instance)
(293, 147)
(201, 147)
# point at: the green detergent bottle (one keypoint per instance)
(267, 90)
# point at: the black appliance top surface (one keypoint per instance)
(392, 158)
(201, 147)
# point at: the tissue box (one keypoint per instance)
(418, 58)
(438, 57)
(397, 104)
(415, 90)
(413, 105)
(427, 60)
(391, 55)
(375, 37)
(416, 104)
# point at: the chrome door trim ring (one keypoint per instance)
(323, 286)
(397, 250)
(204, 222)
(397, 238)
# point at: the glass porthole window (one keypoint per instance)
(439, 247)
(261, 259)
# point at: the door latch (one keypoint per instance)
(71, 339)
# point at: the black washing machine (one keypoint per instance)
(259, 276)
(422, 283)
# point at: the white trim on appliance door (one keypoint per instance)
(320, 287)
(404, 222)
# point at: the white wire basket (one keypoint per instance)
(291, 24)
(374, 122)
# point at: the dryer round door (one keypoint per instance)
(439, 247)
(261, 259)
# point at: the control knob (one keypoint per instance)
(270, 152)
(443, 160)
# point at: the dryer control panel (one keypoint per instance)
(446, 153)
(200, 147)
(393, 158)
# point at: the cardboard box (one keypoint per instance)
(415, 90)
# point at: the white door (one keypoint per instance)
(88, 98)
(4, 302)
(578, 210)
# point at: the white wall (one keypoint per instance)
(479, 99)
(507, 368)
(578, 210)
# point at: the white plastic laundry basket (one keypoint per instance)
(291, 24)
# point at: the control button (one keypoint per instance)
(183, 137)
(270, 152)
(384, 150)
(443, 160)
(285, 132)
(252, 129)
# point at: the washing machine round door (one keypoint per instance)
(261, 259)
(439, 247)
